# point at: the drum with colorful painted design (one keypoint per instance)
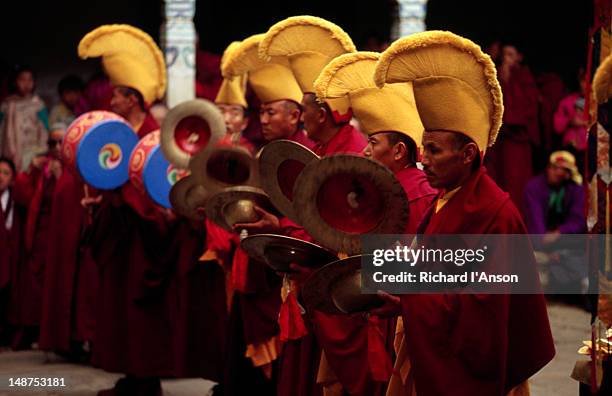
(98, 145)
(151, 172)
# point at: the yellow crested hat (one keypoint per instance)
(390, 109)
(233, 90)
(455, 83)
(309, 43)
(602, 81)
(271, 81)
(130, 57)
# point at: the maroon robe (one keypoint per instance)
(200, 312)
(129, 244)
(469, 344)
(34, 190)
(519, 135)
(11, 246)
(420, 195)
(148, 125)
(347, 140)
(71, 277)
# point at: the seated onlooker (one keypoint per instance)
(70, 90)
(554, 205)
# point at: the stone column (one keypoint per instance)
(178, 38)
(411, 17)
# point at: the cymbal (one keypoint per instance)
(342, 197)
(219, 167)
(336, 289)
(186, 196)
(279, 251)
(189, 128)
(280, 163)
(236, 205)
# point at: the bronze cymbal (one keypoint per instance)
(342, 197)
(189, 128)
(186, 196)
(236, 205)
(280, 163)
(219, 167)
(278, 251)
(336, 289)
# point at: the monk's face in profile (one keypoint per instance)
(313, 116)
(382, 149)
(447, 161)
(279, 119)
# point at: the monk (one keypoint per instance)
(480, 343)
(71, 277)
(35, 189)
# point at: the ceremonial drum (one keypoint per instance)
(98, 145)
(150, 171)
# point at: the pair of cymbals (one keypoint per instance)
(337, 199)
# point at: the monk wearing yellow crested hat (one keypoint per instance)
(129, 234)
(136, 68)
(464, 344)
(309, 43)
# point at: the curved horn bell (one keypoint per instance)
(341, 197)
(189, 128)
(280, 163)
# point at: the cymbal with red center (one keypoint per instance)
(279, 251)
(186, 196)
(336, 289)
(342, 197)
(189, 128)
(224, 166)
(236, 205)
(280, 163)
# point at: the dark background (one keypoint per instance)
(45, 34)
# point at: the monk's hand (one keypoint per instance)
(39, 162)
(88, 202)
(299, 274)
(55, 166)
(391, 307)
(267, 223)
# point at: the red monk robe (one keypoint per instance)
(71, 276)
(347, 140)
(33, 189)
(518, 136)
(12, 217)
(129, 243)
(199, 306)
(420, 195)
(476, 344)
(253, 315)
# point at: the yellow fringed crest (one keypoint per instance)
(602, 87)
(455, 83)
(130, 57)
(390, 109)
(271, 81)
(232, 90)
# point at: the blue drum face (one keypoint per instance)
(159, 176)
(103, 154)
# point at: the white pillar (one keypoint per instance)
(411, 17)
(178, 37)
